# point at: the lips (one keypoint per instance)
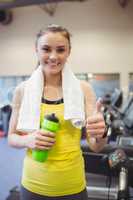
(53, 64)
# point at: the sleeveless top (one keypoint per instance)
(63, 172)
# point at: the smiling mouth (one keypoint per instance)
(53, 64)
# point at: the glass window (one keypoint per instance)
(131, 83)
(82, 76)
(101, 83)
(7, 86)
(104, 83)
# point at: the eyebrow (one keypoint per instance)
(45, 45)
(61, 46)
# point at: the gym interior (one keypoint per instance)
(102, 55)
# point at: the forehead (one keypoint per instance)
(53, 39)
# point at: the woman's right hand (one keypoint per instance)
(40, 140)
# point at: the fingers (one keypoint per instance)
(46, 133)
(44, 140)
(42, 148)
(98, 133)
(43, 145)
(46, 136)
(94, 119)
(40, 140)
(95, 126)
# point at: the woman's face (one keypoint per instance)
(52, 50)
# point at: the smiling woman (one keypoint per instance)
(62, 175)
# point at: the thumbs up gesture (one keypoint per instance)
(95, 124)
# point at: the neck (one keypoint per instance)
(53, 79)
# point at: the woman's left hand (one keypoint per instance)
(95, 125)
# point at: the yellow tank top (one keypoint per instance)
(63, 172)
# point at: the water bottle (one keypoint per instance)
(50, 123)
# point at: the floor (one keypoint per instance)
(11, 166)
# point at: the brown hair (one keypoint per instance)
(55, 29)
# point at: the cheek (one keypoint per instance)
(64, 58)
(43, 57)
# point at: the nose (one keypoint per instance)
(53, 56)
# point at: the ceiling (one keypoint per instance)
(7, 4)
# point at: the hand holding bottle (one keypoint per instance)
(40, 140)
(49, 125)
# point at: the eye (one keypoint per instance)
(46, 49)
(60, 50)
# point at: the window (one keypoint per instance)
(102, 83)
(131, 83)
(7, 86)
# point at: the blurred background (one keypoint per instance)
(102, 54)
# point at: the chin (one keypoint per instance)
(53, 71)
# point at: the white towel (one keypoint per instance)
(29, 114)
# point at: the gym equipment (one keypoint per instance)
(98, 170)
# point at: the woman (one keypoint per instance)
(62, 176)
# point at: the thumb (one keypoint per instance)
(99, 104)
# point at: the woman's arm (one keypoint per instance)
(15, 138)
(35, 140)
(95, 125)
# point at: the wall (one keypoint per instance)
(102, 37)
